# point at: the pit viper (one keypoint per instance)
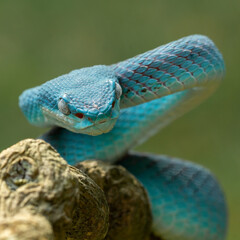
(102, 112)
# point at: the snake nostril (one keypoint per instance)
(79, 115)
(113, 104)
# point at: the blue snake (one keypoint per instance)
(102, 112)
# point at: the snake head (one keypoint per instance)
(83, 101)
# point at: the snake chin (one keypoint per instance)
(98, 129)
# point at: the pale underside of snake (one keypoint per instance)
(152, 89)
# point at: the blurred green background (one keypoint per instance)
(40, 40)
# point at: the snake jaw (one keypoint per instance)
(86, 124)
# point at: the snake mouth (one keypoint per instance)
(100, 128)
(77, 125)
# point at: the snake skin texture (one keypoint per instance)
(156, 88)
(187, 63)
(187, 202)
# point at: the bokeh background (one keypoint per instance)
(40, 40)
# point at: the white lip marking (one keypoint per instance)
(62, 119)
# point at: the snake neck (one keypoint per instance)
(190, 62)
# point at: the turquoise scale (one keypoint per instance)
(187, 201)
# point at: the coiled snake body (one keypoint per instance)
(152, 90)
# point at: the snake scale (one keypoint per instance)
(102, 112)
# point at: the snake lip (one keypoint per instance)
(77, 127)
(51, 115)
(106, 128)
(100, 123)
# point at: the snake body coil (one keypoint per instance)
(155, 88)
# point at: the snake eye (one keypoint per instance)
(118, 91)
(63, 107)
